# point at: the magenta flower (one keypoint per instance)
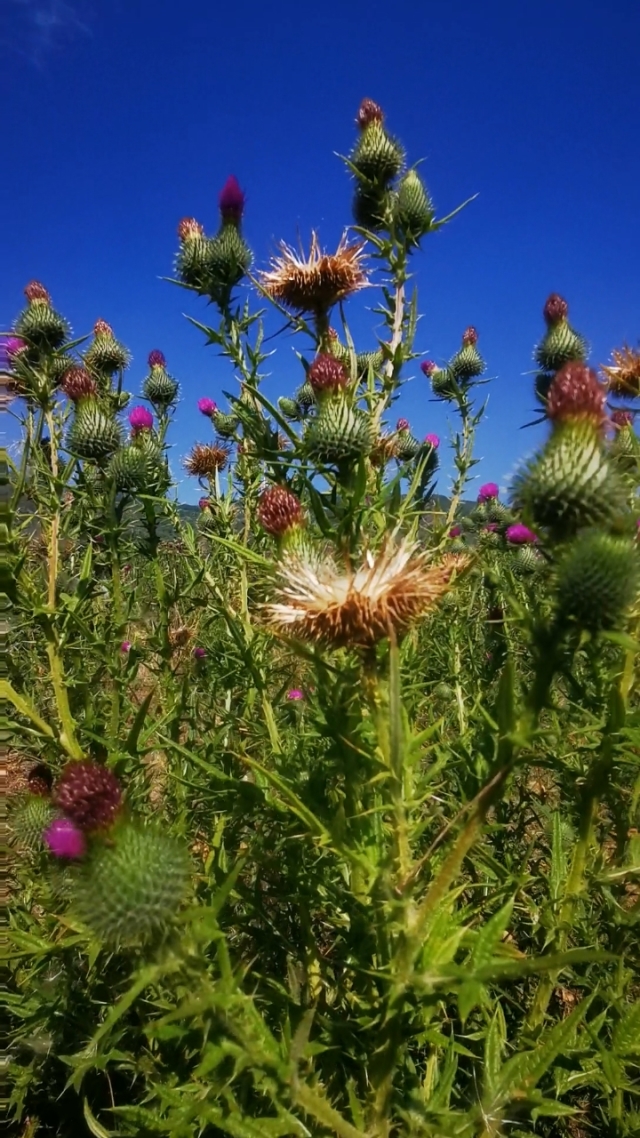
(402, 425)
(14, 344)
(204, 503)
(519, 534)
(489, 491)
(455, 531)
(125, 647)
(206, 406)
(199, 653)
(65, 839)
(231, 200)
(140, 419)
(492, 527)
(427, 367)
(432, 440)
(295, 693)
(156, 358)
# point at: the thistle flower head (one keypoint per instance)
(189, 228)
(204, 503)
(156, 358)
(403, 425)
(101, 328)
(455, 531)
(205, 459)
(555, 309)
(327, 374)
(207, 406)
(279, 510)
(140, 419)
(359, 607)
(469, 336)
(623, 375)
(427, 367)
(317, 282)
(199, 653)
(13, 345)
(368, 112)
(622, 418)
(35, 292)
(519, 534)
(125, 647)
(295, 694)
(78, 384)
(231, 200)
(89, 794)
(65, 839)
(489, 491)
(576, 393)
(432, 440)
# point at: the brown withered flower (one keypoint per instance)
(205, 459)
(317, 282)
(356, 609)
(623, 376)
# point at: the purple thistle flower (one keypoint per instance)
(489, 491)
(427, 367)
(140, 419)
(199, 653)
(125, 647)
(204, 503)
(231, 200)
(492, 527)
(206, 406)
(402, 425)
(432, 440)
(14, 344)
(519, 534)
(455, 531)
(65, 839)
(156, 358)
(295, 693)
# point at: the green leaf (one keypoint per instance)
(626, 1036)
(93, 1124)
(521, 1074)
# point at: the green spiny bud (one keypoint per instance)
(128, 469)
(29, 818)
(406, 446)
(289, 408)
(131, 885)
(598, 581)
(39, 324)
(93, 434)
(225, 425)
(571, 484)
(467, 363)
(369, 360)
(526, 560)
(561, 342)
(377, 156)
(339, 433)
(443, 383)
(191, 262)
(160, 388)
(106, 355)
(228, 261)
(370, 207)
(413, 208)
(304, 396)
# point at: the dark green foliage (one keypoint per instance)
(598, 581)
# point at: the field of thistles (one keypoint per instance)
(323, 811)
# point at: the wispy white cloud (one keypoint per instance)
(41, 26)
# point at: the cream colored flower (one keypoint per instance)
(317, 282)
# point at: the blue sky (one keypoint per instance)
(122, 116)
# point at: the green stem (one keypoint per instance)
(68, 733)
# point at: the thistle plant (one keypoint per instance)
(329, 817)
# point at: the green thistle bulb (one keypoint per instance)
(369, 360)
(39, 324)
(130, 886)
(157, 477)
(128, 468)
(526, 561)
(497, 512)
(106, 355)
(160, 388)
(305, 396)
(571, 484)
(289, 408)
(443, 383)
(413, 209)
(339, 433)
(29, 818)
(225, 425)
(560, 343)
(625, 450)
(93, 434)
(228, 261)
(406, 446)
(370, 208)
(598, 581)
(377, 156)
(467, 363)
(337, 349)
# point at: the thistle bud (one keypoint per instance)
(206, 406)
(443, 382)
(432, 441)
(228, 259)
(128, 469)
(327, 375)
(93, 434)
(598, 581)
(89, 794)
(231, 201)
(29, 818)
(305, 396)
(130, 888)
(370, 207)
(576, 393)
(77, 384)
(279, 510)
(160, 388)
(289, 408)
(519, 534)
(560, 343)
(191, 262)
(140, 419)
(413, 208)
(39, 324)
(369, 112)
(467, 363)
(622, 418)
(36, 292)
(106, 355)
(369, 362)
(225, 425)
(156, 358)
(377, 157)
(338, 434)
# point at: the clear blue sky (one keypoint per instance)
(122, 116)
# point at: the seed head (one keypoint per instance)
(358, 608)
(623, 376)
(279, 510)
(35, 291)
(327, 374)
(65, 839)
(555, 309)
(156, 358)
(368, 112)
(576, 393)
(89, 794)
(315, 283)
(78, 384)
(189, 228)
(205, 459)
(488, 492)
(231, 200)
